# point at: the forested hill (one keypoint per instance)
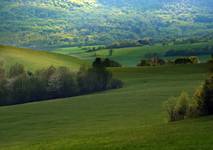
(147, 4)
(47, 24)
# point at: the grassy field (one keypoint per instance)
(131, 118)
(131, 56)
(37, 59)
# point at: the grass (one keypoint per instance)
(37, 59)
(131, 56)
(131, 118)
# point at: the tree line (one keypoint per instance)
(17, 85)
(156, 60)
(208, 50)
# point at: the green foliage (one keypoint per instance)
(16, 70)
(48, 24)
(181, 107)
(62, 83)
(105, 63)
(154, 61)
(3, 82)
(130, 118)
(97, 78)
(183, 60)
(200, 104)
(20, 86)
(132, 55)
(170, 108)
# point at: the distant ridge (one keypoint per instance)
(49, 24)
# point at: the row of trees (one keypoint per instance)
(154, 61)
(208, 50)
(19, 86)
(106, 63)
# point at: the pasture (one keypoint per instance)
(130, 118)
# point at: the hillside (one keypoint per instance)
(130, 56)
(37, 59)
(48, 24)
(129, 118)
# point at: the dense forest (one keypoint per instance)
(47, 24)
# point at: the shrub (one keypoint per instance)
(170, 108)
(194, 59)
(183, 60)
(181, 107)
(200, 104)
(154, 61)
(193, 109)
(198, 97)
(99, 63)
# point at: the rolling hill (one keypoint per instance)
(131, 118)
(48, 24)
(131, 56)
(33, 59)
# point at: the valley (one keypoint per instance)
(106, 75)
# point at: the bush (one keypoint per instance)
(194, 59)
(181, 107)
(183, 60)
(170, 108)
(193, 109)
(154, 61)
(200, 104)
(99, 63)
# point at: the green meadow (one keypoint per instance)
(34, 60)
(130, 118)
(106, 108)
(132, 55)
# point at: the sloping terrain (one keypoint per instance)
(131, 56)
(33, 59)
(47, 24)
(131, 118)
